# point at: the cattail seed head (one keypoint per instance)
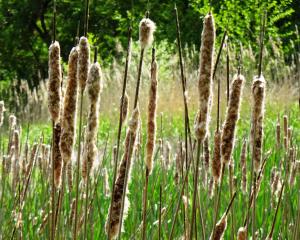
(151, 126)
(69, 109)
(57, 160)
(242, 233)
(211, 187)
(285, 125)
(258, 99)
(2, 110)
(113, 226)
(125, 107)
(220, 229)
(216, 161)
(206, 154)
(205, 78)
(147, 28)
(12, 121)
(54, 84)
(94, 88)
(278, 134)
(232, 115)
(83, 62)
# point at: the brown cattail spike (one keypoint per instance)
(120, 181)
(83, 62)
(205, 77)
(216, 161)
(258, 99)
(54, 84)
(232, 115)
(57, 156)
(152, 115)
(125, 107)
(242, 233)
(94, 86)
(147, 28)
(69, 109)
(220, 229)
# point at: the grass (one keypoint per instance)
(37, 202)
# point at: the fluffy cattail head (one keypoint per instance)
(220, 229)
(69, 108)
(54, 84)
(242, 233)
(12, 121)
(83, 62)
(258, 98)
(125, 107)
(94, 82)
(206, 154)
(57, 160)
(232, 115)
(205, 77)
(147, 28)
(2, 110)
(151, 126)
(216, 161)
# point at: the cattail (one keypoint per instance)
(72, 212)
(167, 154)
(278, 134)
(285, 142)
(69, 109)
(31, 159)
(216, 161)
(206, 154)
(205, 77)
(293, 174)
(94, 88)
(147, 28)
(285, 125)
(2, 110)
(289, 134)
(151, 127)
(12, 121)
(16, 163)
(83, 62)
(232, 115)
(242, 233)
(220, 229)
(70, 175)
(54, 85)
(211, 187)
(244, 179)
(258, 98)
(125, 165)
(125, 107)
(244, 154)
(57, 160)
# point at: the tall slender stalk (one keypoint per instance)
(120, 125)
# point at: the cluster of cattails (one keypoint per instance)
(205, 77)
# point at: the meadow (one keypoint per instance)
(204, 146)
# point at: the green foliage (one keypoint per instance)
(26, 27)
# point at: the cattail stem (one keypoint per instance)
(230, 204)
(86, 18)
(78, 165)
(195, 194)
(277, 208)
(139, 78)
(120, 125)
(218, 200)
(145, 204)
(52, 236)
(254, 207)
